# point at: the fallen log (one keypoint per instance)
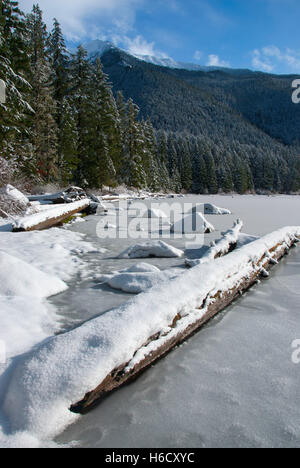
(241, 270)
(219, 248)
(88, 362)
(49, 218)
(69, 195)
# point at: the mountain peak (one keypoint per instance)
(98, 47)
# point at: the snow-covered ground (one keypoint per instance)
(33, 267)
(233, 384)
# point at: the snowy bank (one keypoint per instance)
(67, 367)
(19, 278)
(34, 266)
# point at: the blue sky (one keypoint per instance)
(257, 34)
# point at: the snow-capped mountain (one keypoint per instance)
(170, 63)
(98, 48)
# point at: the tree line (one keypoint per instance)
(64, 123)
(61, 122)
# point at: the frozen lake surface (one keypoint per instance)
(234, 383)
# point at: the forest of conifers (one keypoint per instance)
(71, 118)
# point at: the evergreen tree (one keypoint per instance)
(14, 71)
(102, 131)
(68, 142)
(81, 78)
(133, 171)
(44, 124)
(186, 167)
(59, 60)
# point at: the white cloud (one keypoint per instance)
(270, 57)
(215, 61)
(81, 18)
(139, 46)
(260, 62)
(198, 55)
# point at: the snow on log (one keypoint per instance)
(223, 281)
(49, 218)
(221, 247)
(85, 364)
(69, 195)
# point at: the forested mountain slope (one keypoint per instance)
(212, 102)
(235, 113)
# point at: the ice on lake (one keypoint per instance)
(234, 383)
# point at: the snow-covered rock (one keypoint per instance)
(194, 222)
(141, 268)
(152, 249)
(136, 283)
(137, 278)
(210, 209)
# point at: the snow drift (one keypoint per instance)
(18, 278)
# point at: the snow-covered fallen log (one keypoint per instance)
(221, 247)
(69, 195)
(82, 366)
(48, 218)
